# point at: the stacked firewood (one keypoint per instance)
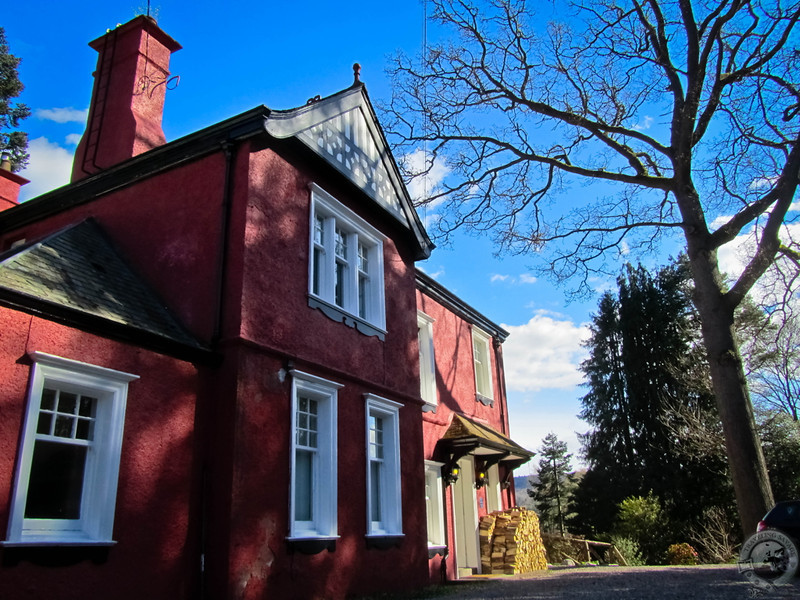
(511, 543)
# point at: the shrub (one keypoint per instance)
(717, 536)
(629, 549)
(641, 519)
(681, 554)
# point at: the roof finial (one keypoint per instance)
(357, 74)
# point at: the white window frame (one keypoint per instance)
(494, 499)
(427, 360)
(434, 504)
(368, 307)
(323, 524)
(482, 360)
(101, 472)
(391, 519)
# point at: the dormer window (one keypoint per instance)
(346, 270)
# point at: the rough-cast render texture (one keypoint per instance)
(153, 528)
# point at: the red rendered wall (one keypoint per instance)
(277, 330)
(169, 228)
(455, 383)
(455, 378)
(275, 309)
(155, 525)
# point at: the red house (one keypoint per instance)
(221, 375)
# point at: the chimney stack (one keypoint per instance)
(9, 184)
(128, 96)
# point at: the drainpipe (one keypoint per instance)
(225, 218)
(227, 148)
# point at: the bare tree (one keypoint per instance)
(684, 114)
(773, 361)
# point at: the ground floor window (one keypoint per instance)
(434, 504)
(66, 482)
(384, 506)
(313, 497)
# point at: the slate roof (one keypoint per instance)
(77, 272)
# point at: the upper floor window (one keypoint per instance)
(481, 354)
(346, 270)
(427, 363)
(313, 469)
(66, 483)
(383, 467)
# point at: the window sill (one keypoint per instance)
(427, 407)
(437, 551)
(384, 541)
(312, 545)
(341, 316)
(49, 542)
(485, 400)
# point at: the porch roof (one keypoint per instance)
(468, 436)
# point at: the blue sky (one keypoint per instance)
(250, 53)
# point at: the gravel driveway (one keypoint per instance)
(712, 582)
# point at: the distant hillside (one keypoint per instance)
(521, 484)
(521, 487)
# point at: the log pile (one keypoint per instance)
(511, 543)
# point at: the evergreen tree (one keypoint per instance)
(553, 491)
(15, 143)
(646, 376)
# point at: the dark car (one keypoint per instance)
(785, 517)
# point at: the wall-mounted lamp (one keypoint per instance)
(451, 476)
(480, 479)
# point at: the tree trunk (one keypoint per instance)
(745, 456)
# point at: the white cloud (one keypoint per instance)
(719, 222)
(50, 166)
(423, 185)
(62, 115)
(601, 285)
(434, 274)
(763, 183)
(73, 139)
(648, 121)
(545, 353)
(522, 279)
(735, 255)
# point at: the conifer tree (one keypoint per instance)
(645, 375)
(553, 491)
(13, 142)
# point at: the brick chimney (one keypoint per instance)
(128, 96)
(9, 184)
